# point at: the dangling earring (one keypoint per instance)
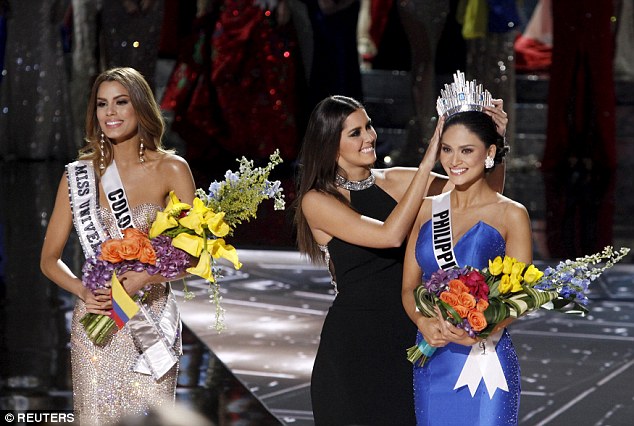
(102, 155)
(488, 163)
(141, 152)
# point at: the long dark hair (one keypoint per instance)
(484, 128)
(318, 162)
(151, 123)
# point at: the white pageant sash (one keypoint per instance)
(155, 338)
(158, 355)
(483, 362)
(117, 199)
(442, 238)
(83, 194)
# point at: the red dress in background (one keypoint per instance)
(234, 89)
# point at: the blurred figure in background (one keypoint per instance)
(234, 89)
(534, 48)
(335, 64)
(107, 34)
(35, 118)
(4, 11)
(580, 153)
(422, 22)
(624, 57)
(490, 28)
(581, 99)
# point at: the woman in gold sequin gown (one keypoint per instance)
(123, 124)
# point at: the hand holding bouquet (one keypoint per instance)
(479, 300)
(134, 252)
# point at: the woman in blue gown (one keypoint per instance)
(482, 224)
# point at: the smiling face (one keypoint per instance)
(462, 154)
(115, 113)
(357, 144)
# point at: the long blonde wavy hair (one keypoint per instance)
(151, 122)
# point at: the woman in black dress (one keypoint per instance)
(356, 218)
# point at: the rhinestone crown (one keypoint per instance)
(462, 96)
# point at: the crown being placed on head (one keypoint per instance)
(462, 96)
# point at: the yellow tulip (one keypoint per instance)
(174, 206)
(227, 251)
(516, 283)
(507, 264)
(216, 224)
(203, 268)
(517, 269)
(192, 244)
(505, 284)
(162, 222)
(532, 275)
(495, 267)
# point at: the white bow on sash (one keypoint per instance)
(483, 363)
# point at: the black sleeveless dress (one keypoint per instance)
(361, 374)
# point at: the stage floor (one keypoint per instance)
(575, 371)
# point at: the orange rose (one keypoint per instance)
(147, 254)
(130, 248)
(110, 251)
(134, 233)
(457, 287)
(134, 245)
(477, 320)
(467, 300)
(482, 305)
(461, 310)
(449, 298)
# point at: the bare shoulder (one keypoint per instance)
(395, 173)
(514, 212)
(174, 174)
(395, 180)
(172, 163)
(313, 199)
(173, 168)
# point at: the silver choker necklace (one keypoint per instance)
(355, 185)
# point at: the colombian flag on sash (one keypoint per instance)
(123, 307)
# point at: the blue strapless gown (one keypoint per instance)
(436, 401)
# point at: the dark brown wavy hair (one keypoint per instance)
(318, 162)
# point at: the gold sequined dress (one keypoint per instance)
(105, 387)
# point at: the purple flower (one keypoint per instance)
(170, 262)
(438, 281)
(96, 273)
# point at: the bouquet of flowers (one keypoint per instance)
(200, 230)
(184, 234)
(134, 252)
(478, 300)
